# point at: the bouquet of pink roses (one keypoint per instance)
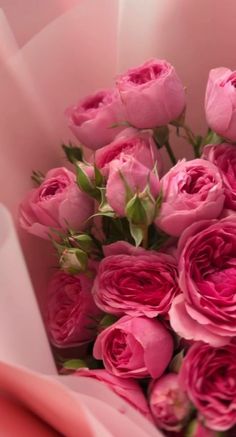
(143, 297)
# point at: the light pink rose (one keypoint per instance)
(169, 404)
(142, 283)
(134, 347)
(91, 120)
(139, 145)
(128, 389)
(71, 316)
(209, 377)
(152, 94)
(207, 274)
(220, 102)
(192, 191)
(224, 157)
(56, 203)
(128, 172)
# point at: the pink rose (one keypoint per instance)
(139, 145)
(192, 191)
(169, 404)
(129, 176)
(71, 311)
(128, 389)
(224, 157)
(220, 102)
(134, 347)
(152, 94)
(56, 203)
(209, 377)
(207, 272)
(142, 283)
(91, 120)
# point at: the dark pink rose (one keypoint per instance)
(134, 347)
(152, 94)
(91, 120)
(209, 377)
(207, 277)
(139, 145)
(127, 176)
(128, 389)
(56, 203)
(169, 404)
(71, 316)
(192, 191)
(224, 157)
(139, 283)
(220, 102)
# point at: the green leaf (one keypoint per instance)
(176, 362)
(85, 184)
(104, 207)
(74, 364)
(84, 241)
(159, 201)
(37, 177)
(178, 122)
(136, 233)
(109, 213)
(83, 181)
(106, 321)
(73, 154)
(135, 211)
(129, 193)
(99, 180)
(161, 135)
(212, 138)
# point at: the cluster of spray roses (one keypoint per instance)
(147, 261)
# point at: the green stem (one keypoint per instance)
(170, 152)
(190, 134)
(145, 237)
(192, 139)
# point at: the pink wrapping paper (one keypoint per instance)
(73, 406)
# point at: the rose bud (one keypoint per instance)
(72, 316)
(205, 310)
(73, 260)
(208, 375)
(152, 94)
(128, 177)
(56, 204)
(169, 404)
(92, 120)
(192, 191)
(220, 102)
(135, 282)
(128, 389)
(224, 157)
(139, 145)
(134, 348)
